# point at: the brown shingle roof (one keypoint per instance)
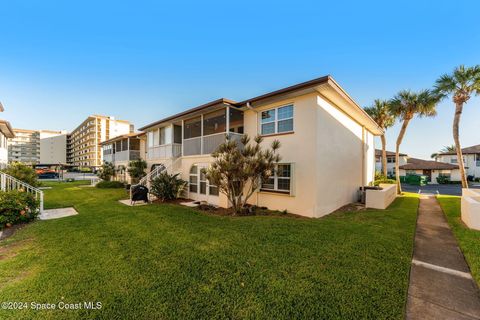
(419, 164)
(468, 150)
(378, 153)
(298, 87)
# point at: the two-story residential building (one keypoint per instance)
(327, 145)
(390, 161)
(6, 132)
(121, 150)
(471, 159)
(431, 169)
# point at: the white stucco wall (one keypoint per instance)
(340, 150)
(3, 151)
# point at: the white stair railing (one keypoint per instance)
(9, 183)
(147, 180)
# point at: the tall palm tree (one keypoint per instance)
(461, 84)
(406, 105)
(447, 149)
(380, 113)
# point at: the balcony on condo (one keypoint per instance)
(121, 149)
(195, 133)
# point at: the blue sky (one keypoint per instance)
(143, 60)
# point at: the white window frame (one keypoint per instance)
(276, 178)
(276, 120)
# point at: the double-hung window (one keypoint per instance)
(277, 120)
(281, 180)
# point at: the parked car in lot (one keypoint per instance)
(48, 175)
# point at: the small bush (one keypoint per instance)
(107, 171)
(477, 179)
(110, 184)
(443, 180)
(384, 180)
(85, 170)
(168, 186)
(22, 172)
(17, 207)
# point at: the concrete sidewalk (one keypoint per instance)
(441, 286)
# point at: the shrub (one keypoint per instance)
(443, 180)
(168, 186)
(17, 207)
(85, 170)
(107, 171)
(240, 170)
(384, 180)
(110, 184)
(477, 179)
(136, 169)
(22, 172)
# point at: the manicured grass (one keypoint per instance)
(469, 240)
(171, 262)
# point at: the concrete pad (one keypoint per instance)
(127, 202)
(57, 213)
(191, 204)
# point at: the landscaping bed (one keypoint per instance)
(171, 262)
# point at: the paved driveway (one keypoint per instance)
(448, 189)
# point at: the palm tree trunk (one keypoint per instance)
(384, 155)
(397, 153)
(456, 138)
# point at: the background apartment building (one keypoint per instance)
(24, 147)
(53, 147)
(37, 146)
(84, 147)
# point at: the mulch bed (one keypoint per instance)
(219, 211)
(8, 232)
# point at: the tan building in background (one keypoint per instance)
(53, 147)
(83, 147)
(24, 147)
(37, 146)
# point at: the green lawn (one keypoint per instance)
(171, 262)
(469, 240)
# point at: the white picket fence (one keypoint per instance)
(9, 183)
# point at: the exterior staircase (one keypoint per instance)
(172, 167)
(9, 183)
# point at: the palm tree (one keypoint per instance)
(380, 113)
(461, 84)
(406, 105)
(445, 149)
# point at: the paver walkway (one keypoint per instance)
(441, 286)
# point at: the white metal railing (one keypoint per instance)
(9, 183)
(172, 167)
(166, 151)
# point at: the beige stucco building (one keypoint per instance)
(327, 145)
(121, 150)
(84, 143)
(6, 132)
(53, 147)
